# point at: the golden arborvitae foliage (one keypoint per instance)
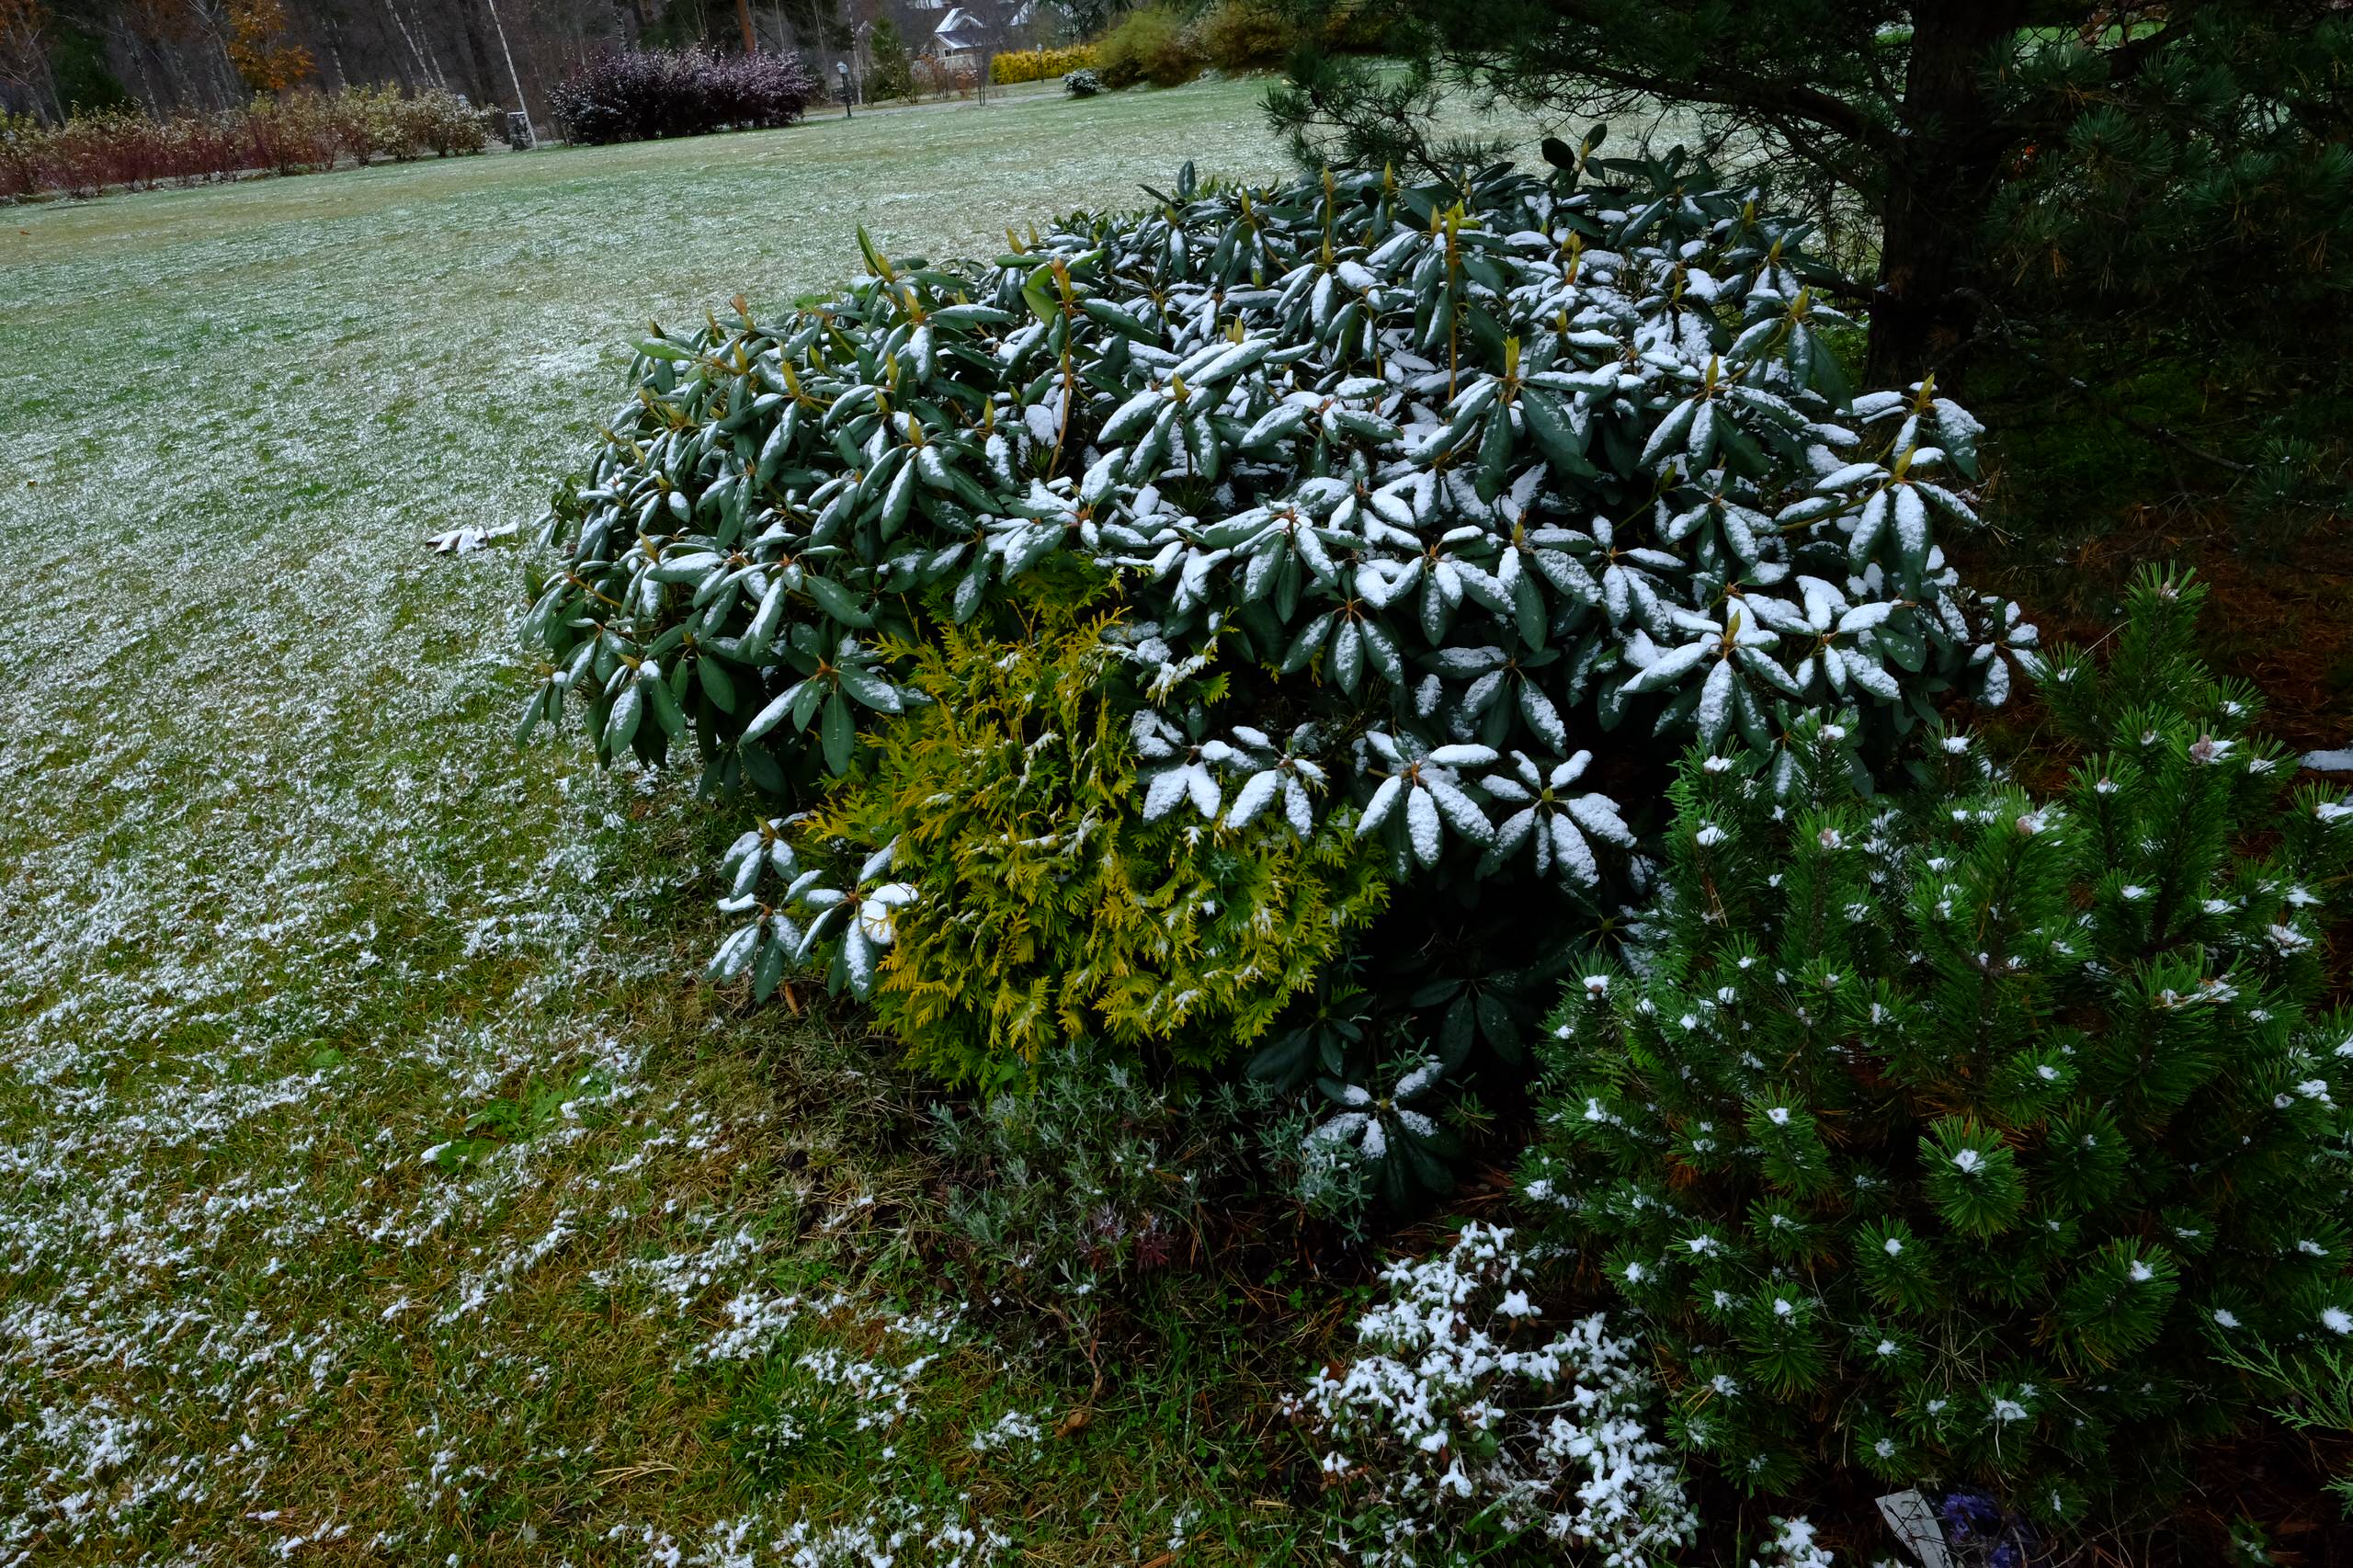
(257, 46)
(1038, 64)
(1046, 909)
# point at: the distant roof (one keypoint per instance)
(958, 30)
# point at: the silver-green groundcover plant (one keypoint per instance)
(1437, 491)
(1462, 1424)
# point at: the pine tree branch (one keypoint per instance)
(2125, 61)
(1777, 99)
(2154, 431)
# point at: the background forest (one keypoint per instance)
(165, 56)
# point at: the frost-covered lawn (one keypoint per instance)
(375, 1183)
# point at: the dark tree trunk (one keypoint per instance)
(1939, 181)
(481, 65)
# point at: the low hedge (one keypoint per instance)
(1038, 64)
(287, 133)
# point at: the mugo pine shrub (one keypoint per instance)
(1953, 1138)
(1407, 503)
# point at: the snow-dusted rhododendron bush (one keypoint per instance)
(1463, 1423)
(1435, 507)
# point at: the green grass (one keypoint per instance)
(372, 1169)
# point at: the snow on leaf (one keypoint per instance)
(1202, 788)
(1714, 712)
(1248, 800)
(1422, 824)
(1598, 816)
(1168, 788)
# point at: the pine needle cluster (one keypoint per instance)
(1955, 1137)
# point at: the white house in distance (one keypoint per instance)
(960, 37)
(967, 33)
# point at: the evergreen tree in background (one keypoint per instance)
(2100, 184)
(889, 73)
(1955, 1138)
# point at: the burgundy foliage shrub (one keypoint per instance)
(641, 94)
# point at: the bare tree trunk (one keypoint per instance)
(39, 81)
(744, 20)
(530, 136)
(423, 72)
(24, 58)
(132, 47)
(441, 69)
(212, 22)
(166, 87)
(1938, 183)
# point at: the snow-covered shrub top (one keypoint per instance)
(1439, 494)
(1463, 1424)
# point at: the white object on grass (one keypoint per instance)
(1915, 1523)
(467, 540)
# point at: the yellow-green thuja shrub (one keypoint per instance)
(1038, 64)
(1012, 897)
